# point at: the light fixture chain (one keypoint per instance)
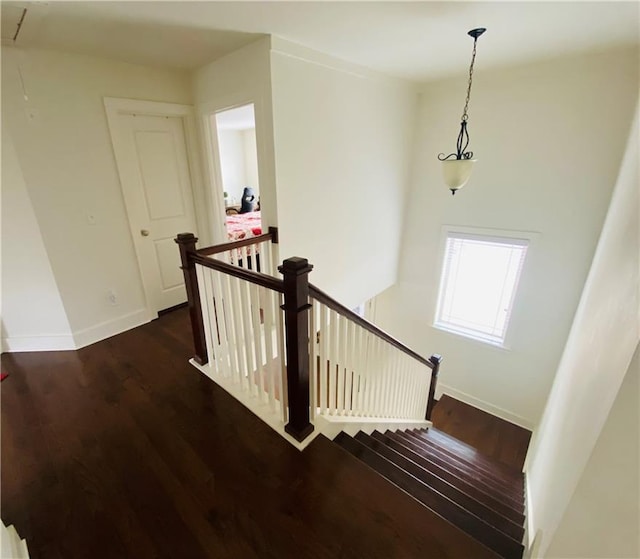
(465, 116)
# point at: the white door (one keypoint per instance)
(154, 172)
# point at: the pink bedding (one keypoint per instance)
(244, 226)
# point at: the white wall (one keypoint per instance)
(603, 338)
(232, 164)
(32, 314)
(64, 149)
(251, 159)
(342, 143)
(234, 80)
(238, 161)
(549, 138)
(603, 516)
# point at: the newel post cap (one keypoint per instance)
(185, 238)
(296, 266)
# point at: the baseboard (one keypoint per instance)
(38, 343)
(533, 538)
(109, 328)
(484, 406)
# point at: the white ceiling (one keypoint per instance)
(415, 40)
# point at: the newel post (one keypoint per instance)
(296, 307)
(187, 243)
(435, 361)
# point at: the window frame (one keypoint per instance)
(499, 235)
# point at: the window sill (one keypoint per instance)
(485, 343)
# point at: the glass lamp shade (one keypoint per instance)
(457, 172)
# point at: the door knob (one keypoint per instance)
(144, 232)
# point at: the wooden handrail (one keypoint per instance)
(297, 291)
(216, 249)
(330, 302)
(258, 278)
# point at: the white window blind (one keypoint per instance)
(479, 279)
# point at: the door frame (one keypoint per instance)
(114, 107)
(211, 153)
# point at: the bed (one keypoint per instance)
(244, 226)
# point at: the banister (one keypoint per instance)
(258, 278)
(296, 398)
(330, 302)
(216, 249)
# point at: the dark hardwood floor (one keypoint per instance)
(123, 450)
(495, 437)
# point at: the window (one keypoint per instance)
(479, 279)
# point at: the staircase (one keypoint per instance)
(482, 497)
(306, 364)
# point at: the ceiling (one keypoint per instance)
(414, 40)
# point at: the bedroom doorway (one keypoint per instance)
(235, 138)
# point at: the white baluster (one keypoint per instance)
(254, 303)
(223, 326)
(231, 319)
(203, 274)
(416, 389)
(282, 377)
(236, 309)
(342, 358)
(333, 361)
(324, 356)
(247, 336)
(366, 374)
(406, 388)
(386, 378)
(313, 366)
(394, 362)
(377, 357)
(360, 366)
(265, 258)
(268, 297)
(349, 375)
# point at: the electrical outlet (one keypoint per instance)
(112, 298)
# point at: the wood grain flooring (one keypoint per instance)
(123, 450)
(492, 436)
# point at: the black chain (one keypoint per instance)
(465, 116)
(463, 136)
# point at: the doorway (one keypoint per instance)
(234, 132)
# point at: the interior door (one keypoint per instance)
(157, 187)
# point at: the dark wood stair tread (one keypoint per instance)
(471, 489)
(463, 449)
(505, 485)
(465, 472)
(445, 488)
(482, 531)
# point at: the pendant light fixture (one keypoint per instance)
(457, 167)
